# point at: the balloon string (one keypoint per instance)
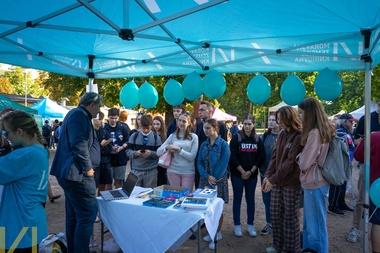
(372, 213)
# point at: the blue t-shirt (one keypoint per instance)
(24, 174)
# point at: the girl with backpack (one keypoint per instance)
(317, 132)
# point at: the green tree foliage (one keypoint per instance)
(22, 81)
(375, 91)
(5, 86)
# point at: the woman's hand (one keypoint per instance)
(267, 186)
(245, 175)
(172, 148)
(211, 180)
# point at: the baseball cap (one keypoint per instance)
(347, 116)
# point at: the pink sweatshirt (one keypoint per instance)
(313, 152)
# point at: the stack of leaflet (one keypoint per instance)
(205, 193)
(196, 203)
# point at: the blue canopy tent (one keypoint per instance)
(49, 109)
(123, 38)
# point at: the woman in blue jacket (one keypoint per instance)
(213, 158)
(24, 174)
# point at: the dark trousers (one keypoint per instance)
(81, 211)
(48, 141)
(337, 193)
(248, 186)
(162, 178)
(266, 201)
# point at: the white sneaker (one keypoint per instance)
(271, 250)
(207, 238)
(251, 230)
(211, 245)
(237, 231)
(353, 235)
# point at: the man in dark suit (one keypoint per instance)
(74, 171)
(206, 109)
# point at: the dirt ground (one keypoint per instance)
(338, 227)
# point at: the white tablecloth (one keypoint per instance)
(138, 228)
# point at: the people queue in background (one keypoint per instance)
(285, 157)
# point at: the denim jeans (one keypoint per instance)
(314, 220)
(81, 211)
(238, 185)
(266, 201)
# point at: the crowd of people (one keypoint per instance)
(92, 156)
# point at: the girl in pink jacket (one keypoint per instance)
(317, 133)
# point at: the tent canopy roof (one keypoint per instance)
(122, 38)
(220, 115)
(360, 111)
(48, 108)
(278, 106)
(6, 102)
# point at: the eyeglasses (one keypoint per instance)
(5, 133)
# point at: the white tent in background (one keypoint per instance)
(278, 106)
(360, 112)
(220, 115)
(339, 113)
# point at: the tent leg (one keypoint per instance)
(367, 132)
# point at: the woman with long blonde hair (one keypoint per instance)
(183, 144)
(317, 132)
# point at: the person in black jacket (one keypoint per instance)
(177, 110)
(103, 173)
(119, 134)
(247, 156)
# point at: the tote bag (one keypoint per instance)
(165, 160)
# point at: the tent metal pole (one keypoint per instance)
(367, 152)
(91, 84)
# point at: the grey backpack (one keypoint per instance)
(337, 167)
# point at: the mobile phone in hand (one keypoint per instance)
(142, 151)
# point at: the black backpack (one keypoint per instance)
(46, 130)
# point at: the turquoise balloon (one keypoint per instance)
(328, 85)
(129, 95)
(293, 90)
(214, 84)
(374, 192)
(192, 86)
(148, 96)
(173, 93)
(258, 90)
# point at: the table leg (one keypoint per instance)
(101, 237)
(199, 236)
(215, 241)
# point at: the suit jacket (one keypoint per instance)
(72, 158)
